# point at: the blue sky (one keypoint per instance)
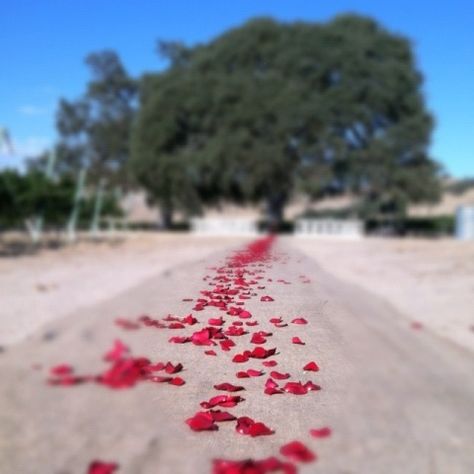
(43, 44)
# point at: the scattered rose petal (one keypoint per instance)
(320, 432)
(176, 325)
(218, 416)
(262, 353)
(297, 340)
(297, 451)
(228, 387)
(202, 421)
(257, 338)
(118, 351)
(226, 401)
(247, 426)
(279, 376)
(178, 381)
(173, 369)
(299, 321)
(179, 339)
(61, 369)
(240, 358)
(311, 366)
(216, 321)
(296, 388)
(250, 466)
(101, 467)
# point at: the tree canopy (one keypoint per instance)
(271, 108)
(95, 129)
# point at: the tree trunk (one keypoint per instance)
(166, 217)
(275, 205)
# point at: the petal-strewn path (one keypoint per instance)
(396, 400)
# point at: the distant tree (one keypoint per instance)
(24, 196)
(271, 108)
(95, 129)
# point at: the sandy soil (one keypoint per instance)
(53, 283)
(398, 400)
(430, 281)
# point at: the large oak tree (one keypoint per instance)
(271, 108)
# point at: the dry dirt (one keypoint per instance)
(399, 400)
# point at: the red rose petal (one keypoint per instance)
(311, 366)
(216, 321)
(297, 451)
(251, 323)
(178, 381)
(296, 388)
(226, 344)
(190, 320)
(312, 386)
(266, 298)
(218, 416)
(228, 387)
(279, 376)
(242, 375)
(247, 426)
(118, 351)
(240, 358)
(297, 340)
(173, 369)
(210, 352)
(262, 353)
(176, 325)
(101, 467)
(179, 339)
(270, 383)
(299, 321)
(270, 363)
(320, 432)
(258, 339)
(250, 466)
(226, 401)
(202, 421)
(254, 373)
(62, 369)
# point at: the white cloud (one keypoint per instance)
(33, 110)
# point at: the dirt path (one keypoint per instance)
(35, 289)
(397, 400)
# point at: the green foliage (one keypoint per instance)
(26, 196)
(95, 129)
(272, 108)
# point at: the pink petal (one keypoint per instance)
(297, 340)
(320, 432)
(299, 321)
(297, 451)
(311, 366)
(228, 387)
(279, 376)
